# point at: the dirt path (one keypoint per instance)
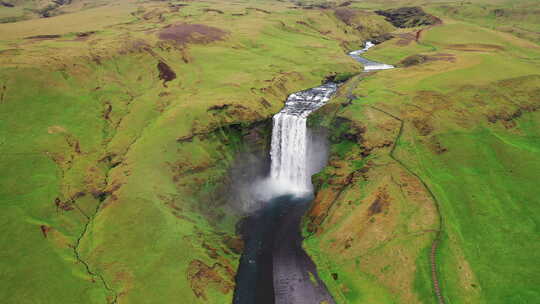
(436, 241)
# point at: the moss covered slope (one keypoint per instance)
(118, 125)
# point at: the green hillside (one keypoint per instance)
(120, 122)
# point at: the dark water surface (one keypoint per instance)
(274, 267)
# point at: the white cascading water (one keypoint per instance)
(291, 148)
(290, 142)
(368, 64)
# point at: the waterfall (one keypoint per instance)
(293, 155)
(290, 146)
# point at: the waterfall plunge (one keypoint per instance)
(291, 146)
(293, 155)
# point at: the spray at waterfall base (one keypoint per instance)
(296, 152)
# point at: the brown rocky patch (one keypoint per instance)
(408, 17)
(202, 276)
(44, 37)
(7, 4)
(507, 119)
(442, 57)
(235, 244)
(73, 143)
(423, 126)
(155, 14)
(381, 202)
(346, 15)
(405, 39)
(476, 47)
(420, 59)
(45, 229)
(165, 73)
(212, 10)
(413, 60)
(259, 10)
(437, 147)
(184, 33)
(380, 38)
(82, 36)
(66, 206)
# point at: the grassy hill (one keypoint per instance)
(447, 142)
(120, 122)
(118, 127)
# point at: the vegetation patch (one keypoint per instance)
(202, 276)
(184, 33)
(408, 17)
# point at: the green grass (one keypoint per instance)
(481, 173)
(481, 178)
(91, 116)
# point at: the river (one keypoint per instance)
(274, 268)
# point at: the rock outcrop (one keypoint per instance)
(408, 17)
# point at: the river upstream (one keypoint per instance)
(274, 268)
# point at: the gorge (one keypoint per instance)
(274, 267)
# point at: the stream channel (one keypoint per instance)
(274, 268)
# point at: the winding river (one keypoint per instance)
(274, 267)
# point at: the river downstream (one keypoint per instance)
(274, 267)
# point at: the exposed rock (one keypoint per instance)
(259, 10)
(49, 10)
(43, 37)
(420, 59)
(202, 276)
(408, 17)
(321, 5)
(183, 33)
(413, 60)
(346, 15)
(437, 147)
(7, 4)
(235, 244)
(84, 34)
(381, 38)
(66, 206)
(500, 12)
(165, 73)
(45, 229)
(423, 126)
(212, 10)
